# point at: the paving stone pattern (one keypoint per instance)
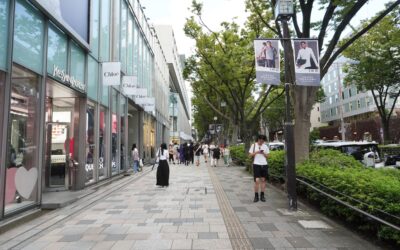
(203, 208)
(269, 225)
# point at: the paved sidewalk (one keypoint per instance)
(269, 225)
(203, 208)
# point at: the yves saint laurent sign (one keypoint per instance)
(111, 73)
(61, 75)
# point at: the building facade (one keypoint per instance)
(63, 128)
(179, 109)
(345, 103)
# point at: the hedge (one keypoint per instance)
(380, 188)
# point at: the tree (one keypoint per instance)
(223, 69)
(337, 16)
(378, 67)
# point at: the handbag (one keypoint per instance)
(141, 163)
(157, 160)
(301, 61)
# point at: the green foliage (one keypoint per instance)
(314, 135)
(240, 156)
(276, 162)
(380, 188)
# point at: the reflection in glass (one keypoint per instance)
(102, 143)
(77, 62)
(95, 22)
(105, 30)
(123, 39)
(114, 133)
(28, 36)
(130, 46)
(57, 50)
(93, 76)
(90, 144)
(22, 172)
(122, 133)
(3, 32)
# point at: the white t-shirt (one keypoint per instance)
(162, 156)
(259, 159)
(205, 149)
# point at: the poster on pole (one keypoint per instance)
(111, 73)
(306, 58)
(267, 61)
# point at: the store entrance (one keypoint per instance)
(62, 121)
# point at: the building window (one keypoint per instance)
(93, 78)
(90, 143)
(22, 143)
(319, 119)
(57, 50)
(123, 35)
(349, 92)
(358, 104)
(105, 31)
(77, 62)
(28, 36)
(3, 33)
(95, 26)
(103, 143)
(351, 106)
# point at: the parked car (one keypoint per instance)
(276, 145)
(365, 152)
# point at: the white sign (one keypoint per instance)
(129, 84)
(111, 73)
(140, 93)
(145, 101)
(306, 57)
(65, 78)
(267, 61)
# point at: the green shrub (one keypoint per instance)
(276, 163)
(380, 188)
(240, 156)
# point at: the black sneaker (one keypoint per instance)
(256, 199)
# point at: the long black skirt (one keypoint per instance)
(163, 173)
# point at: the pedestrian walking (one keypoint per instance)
(186, 150)
(171, 153)
(163, 167)
(205, 152)
(216, 154)
(191, 152)
(259, 152)
(181, 154)
(197, 152)
(135, 158)
(226, 155)
(176, 152)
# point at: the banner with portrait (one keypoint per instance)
(267, 59)
(306, 59)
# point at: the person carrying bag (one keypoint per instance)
(163, 167)
(259, 151)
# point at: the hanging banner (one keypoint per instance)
(148, 103)
(140, 93)
(111, 73)
(129, 85)
(306, 58)
(267, 61)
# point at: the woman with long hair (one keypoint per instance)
(163, 167)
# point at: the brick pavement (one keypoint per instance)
(203, 208)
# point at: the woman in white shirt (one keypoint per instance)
(163, 167)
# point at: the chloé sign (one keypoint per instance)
(111, 73)
(65, 78)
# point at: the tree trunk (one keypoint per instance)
(304, 99)
(386, 131)
(234, 135)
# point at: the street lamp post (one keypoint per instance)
(215, 127)
(283, 12)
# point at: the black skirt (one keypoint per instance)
(163, 173)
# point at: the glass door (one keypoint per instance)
(59, 144)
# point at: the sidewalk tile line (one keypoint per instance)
(236, 232)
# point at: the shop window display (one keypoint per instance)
(22, 170)
(90, 144)
(102, 143)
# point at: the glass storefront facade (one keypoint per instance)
(22, 171)
(62, 122)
